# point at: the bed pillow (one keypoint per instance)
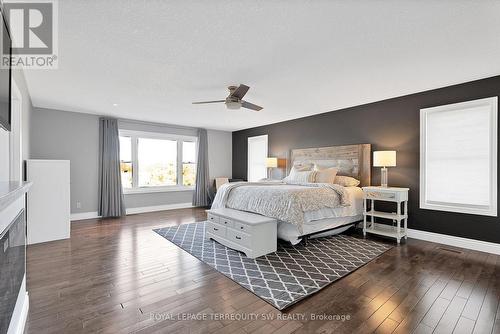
(296, 169)
(326, 175)
(346, 181)
(300, 167)
(300, 177)
(321, 167)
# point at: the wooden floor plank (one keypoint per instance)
(473, 306)
(464, 326)
(450, 318)
(436, 312)
(486, 317)
(388, 326)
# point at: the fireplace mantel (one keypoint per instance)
(10, 191)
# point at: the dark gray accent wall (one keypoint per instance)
(389, 124)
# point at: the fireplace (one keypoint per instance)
(12, 267)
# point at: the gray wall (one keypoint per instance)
(390, 124)
(220, 153)
(72, 136)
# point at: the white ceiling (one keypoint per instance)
(153, 58)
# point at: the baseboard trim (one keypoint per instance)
(478, 245)
(133, 211)
(84, 215)
(144, 209)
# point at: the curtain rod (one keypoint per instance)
(181, 127)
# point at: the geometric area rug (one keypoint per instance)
(287, 276)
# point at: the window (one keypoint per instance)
(126, 161)
(188, 163)
(257, 155)
(156, 162)
(458, 157)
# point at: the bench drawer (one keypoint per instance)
(226, 222)
(239, 237)
(217, 229)
(242, 227)
(212, 218)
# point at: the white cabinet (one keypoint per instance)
(48, 207)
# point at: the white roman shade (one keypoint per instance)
(458, 157)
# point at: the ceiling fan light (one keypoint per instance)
(233, 105)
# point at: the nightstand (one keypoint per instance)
(387, 194)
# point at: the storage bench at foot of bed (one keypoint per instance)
(250, 233)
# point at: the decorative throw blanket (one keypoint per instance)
(283, 201)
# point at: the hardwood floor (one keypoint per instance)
(118, 276)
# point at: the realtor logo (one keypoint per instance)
(33, 31)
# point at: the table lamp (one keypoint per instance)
(384, 159)
(270, 164)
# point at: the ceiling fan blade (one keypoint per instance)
(203, 102)
(251, 106)
(240, 92)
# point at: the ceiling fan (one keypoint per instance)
(235, 99)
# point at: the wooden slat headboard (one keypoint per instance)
(352, 160)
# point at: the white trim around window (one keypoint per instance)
(458, 157)
(135, 135)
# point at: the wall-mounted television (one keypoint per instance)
(5, 75)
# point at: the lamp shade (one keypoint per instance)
(384, 158)
(272, 162)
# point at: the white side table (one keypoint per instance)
(388, 194)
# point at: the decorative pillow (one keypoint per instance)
(326, 175)
(300, 177)
(300, 166)
(321, 167)
(346, 181)
(296, 169)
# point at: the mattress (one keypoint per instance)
(326, 218)
(356, 208)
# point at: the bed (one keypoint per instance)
(306, 210)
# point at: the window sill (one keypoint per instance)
(471, 210)
(148, 190)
